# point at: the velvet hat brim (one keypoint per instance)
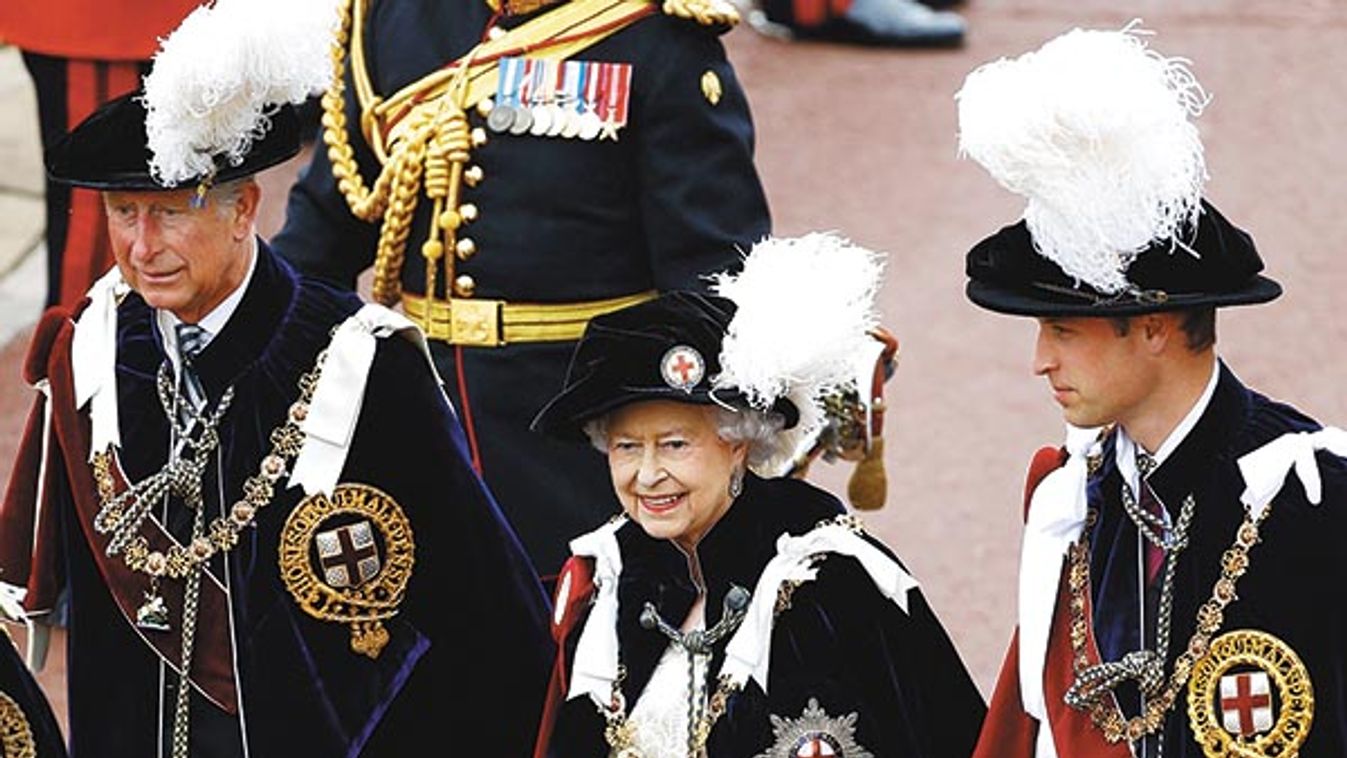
(619, 360)
(1221, 268)
(109, 149)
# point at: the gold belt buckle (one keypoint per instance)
(475, 323)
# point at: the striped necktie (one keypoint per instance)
(191, 341)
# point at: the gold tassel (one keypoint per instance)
(868, 487)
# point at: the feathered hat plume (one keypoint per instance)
(804, 307)
(1095, 130)
(219, 75)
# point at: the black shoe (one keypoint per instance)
(890, 23)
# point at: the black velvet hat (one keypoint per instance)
(1221, 267)
(1096, 131)
(109, 149)
(667, 348)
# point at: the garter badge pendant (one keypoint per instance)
(346, 558)
(1250, 696)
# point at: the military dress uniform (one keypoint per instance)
(549, 229)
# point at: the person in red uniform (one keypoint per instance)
(81, 54)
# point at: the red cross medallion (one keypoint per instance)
(682, 367)
(1246, 703)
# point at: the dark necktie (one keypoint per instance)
(1155, 555)
(191, 341)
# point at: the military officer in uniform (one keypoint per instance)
(248, 487)
(511, 169)
(1182, 553)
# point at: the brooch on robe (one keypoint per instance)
(1250, 695)
(815, 734)
(346, 558)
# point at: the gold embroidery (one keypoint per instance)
(1260, 652)
(362, 604)
(16, 736)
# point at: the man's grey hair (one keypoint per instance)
(760, 429)
(222, 196)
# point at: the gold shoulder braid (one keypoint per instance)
(421, 133)
(704, 12)
(16, 736)
(357, 585)
(1092, 696)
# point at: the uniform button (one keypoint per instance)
(473, 175)
(468, 211)
(495, 33)
(465, 249)
(485, 106)
(464, 285)
(478, 136)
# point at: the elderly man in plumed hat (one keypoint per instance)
(264, 548)
(1179, 580)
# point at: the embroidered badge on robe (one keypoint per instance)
(815, 734)
(347, 559)
(1250, 695)
(16, 736)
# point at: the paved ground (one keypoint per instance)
(863, 142)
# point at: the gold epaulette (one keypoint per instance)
(716, 13)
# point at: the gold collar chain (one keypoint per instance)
(1105, 712)
(620, 734)
(223, 533)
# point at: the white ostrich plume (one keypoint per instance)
(1095, 130)
(803, 309)
(217, 78)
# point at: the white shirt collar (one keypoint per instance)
(214, 322)
(1127, 447)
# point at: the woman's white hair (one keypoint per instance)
(760, 429)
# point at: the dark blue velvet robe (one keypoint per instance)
(841, 641)
(468, 653)
(17, 684)
(1293, 587)
(560, 220)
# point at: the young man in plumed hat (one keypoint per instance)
(1181, 549)
(248, 489)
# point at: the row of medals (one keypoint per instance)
(546, 120)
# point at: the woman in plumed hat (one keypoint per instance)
(728, 612)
